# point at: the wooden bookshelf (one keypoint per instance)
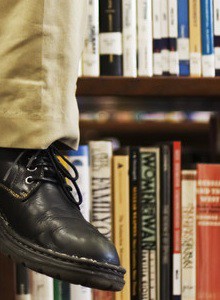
(152, 87)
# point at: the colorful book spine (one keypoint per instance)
(195, 38)
(183, 37)
(129, 12)
(22, 283)
(149, 188)
(173, 37)
(122, 218)
(157, 42)
(41, 286)
(101, 194)
(208, 232)
(166, 227)
(177, 220)
(61, 290)
(165, 38)
(208, 57)
(90, 58)
(217, 36)
(110, 18)
(145, 38)
(189, 182)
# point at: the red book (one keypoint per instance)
(208, 232)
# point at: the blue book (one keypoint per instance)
(208, 57)
(183, 37)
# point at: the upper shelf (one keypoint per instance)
(153, 87)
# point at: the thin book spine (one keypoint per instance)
(217, 36)
(165, 38)
(157, 38)
(22, 283)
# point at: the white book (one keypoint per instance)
(41, 287)
(129, 38)
(80, 68)
(90, 58)
(145, 38)
(78, 292)
(157, 56)
(173, 37)
(165, 37)
(217, 35)
(189, 235)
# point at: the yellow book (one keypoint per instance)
(122, 219)
(195, 38)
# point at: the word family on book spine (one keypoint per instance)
(152, 38)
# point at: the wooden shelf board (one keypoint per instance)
(153, 87)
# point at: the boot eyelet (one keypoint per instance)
(32, 170)
(28, 180)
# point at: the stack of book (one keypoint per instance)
(145, 38)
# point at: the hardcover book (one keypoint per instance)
(41, 286)
(165, 38)
(22, 283)
(157, 38)
(217, 36)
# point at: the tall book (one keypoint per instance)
(90, 58)
(183, 37)
(189, 182)
(166, 225)
(195, 38)
(101, 194)
(129, 13)
(208, 232)
(217, 36)
(41, 286)
(61, 290)
(149, 188)
(208, 57)
(80, 159)
(145, 38)
(176, 220)
(22, 283)
(173, 36)
(110, 18)
(165, 38)
(122, 217)
(157, 42)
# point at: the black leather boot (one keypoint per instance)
(42, 227)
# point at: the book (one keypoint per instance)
(110, 28)
(176, 220)
(195, 38)
(166, 225)
(90, 58)
(149, 189)
(157, 42)
(173, 36)
(165, 38)
(80, 292)
(122, 217)
(129, 12)
(208, 232)
(208, 57)
(183, 37)
(216, 8)
(189, 182)
(145, 38)
(22, 283)
(41, 286)
(61, 290)
(101, 194)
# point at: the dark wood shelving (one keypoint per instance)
(152, 87)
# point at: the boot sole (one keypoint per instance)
(76, 270)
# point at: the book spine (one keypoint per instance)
(189, 235)
(145, 38)
(195, 38)
(165, 38)
(217, 36)
(157, 38)
(57, 290)
(101, 194)
(173, 37)
(166, 229)
(208, 57)
(129, 12)
(149, 191)
(177, 220)
(183, 37)
(90, 58)
(22, 283)
(65, 290)
(41, 287)
(122, 218)
(80, 293)
(110, 36)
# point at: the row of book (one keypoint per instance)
(164, 221)
(145, 38)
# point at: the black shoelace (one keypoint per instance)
(48, 159)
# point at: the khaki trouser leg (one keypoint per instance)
(40, 47)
